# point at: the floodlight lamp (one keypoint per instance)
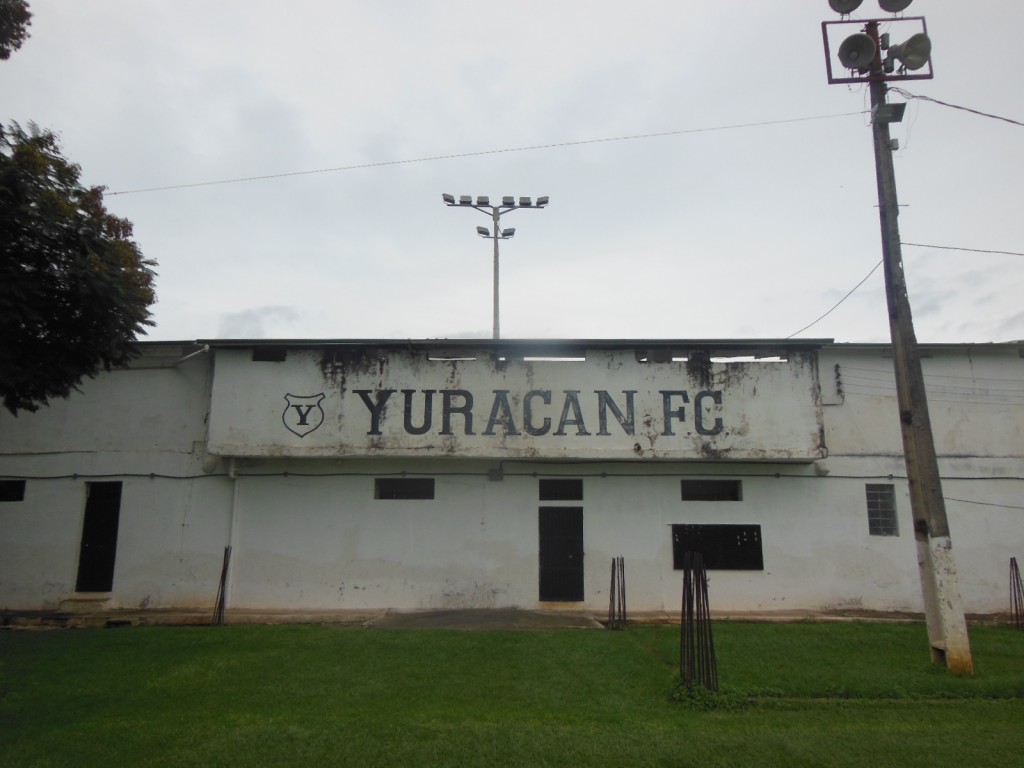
(508, 200)
(483, 231)
(465, 199)
(448, 199)
(525, 201)
(844, 6)
(483, 200)
(508, 232)
(542, 201)
(893, 6)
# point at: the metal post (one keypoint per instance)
(508, 204)
(497, 232)
(947, 626)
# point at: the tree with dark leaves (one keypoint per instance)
(15, 18)
(75, 289)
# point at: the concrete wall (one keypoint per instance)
(606, 405)
(309, 534)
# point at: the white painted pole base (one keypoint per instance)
(947, 627)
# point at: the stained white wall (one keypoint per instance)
(320, 403)
(316, 539)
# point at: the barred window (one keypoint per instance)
(724, 547)
(881, 500)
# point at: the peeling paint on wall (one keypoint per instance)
(608, 405)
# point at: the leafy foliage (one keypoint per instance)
(15, 19)
(74, 287)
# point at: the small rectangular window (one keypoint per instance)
(561, 490)
(403, 488)
(724, 547)
(12, 490)
(712, 490)
(881, 500)
(269, 354)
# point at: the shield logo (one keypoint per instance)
(303, 413)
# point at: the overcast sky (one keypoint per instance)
(742, 232)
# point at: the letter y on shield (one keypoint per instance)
(303, 413)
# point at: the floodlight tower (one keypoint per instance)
(483, 204)
(861, 55)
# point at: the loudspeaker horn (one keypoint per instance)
(894, 6)
(857, 51)
(845, 6)
(913, 52)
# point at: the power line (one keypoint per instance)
(983, 503)
(968, 250)
(869, 274)
(483, 152)
(848, 295)
(908, 95)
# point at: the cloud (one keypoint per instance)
(251, 323)
(1013, 324)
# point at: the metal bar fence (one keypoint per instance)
(1016, 595)
(697, 661)
(617, 595)
(221, 603)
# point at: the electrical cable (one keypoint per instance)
(908, 95)
(915, 245)
(483, 152)
(848, 295)
(958, 248)
(982, 503)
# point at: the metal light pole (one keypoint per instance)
(944, 615)
(483, 204)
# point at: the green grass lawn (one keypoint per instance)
(794, 694)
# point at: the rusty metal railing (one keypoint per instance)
(697, 661)
(617, 595)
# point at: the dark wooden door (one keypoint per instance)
(561, 553)
(99, 538)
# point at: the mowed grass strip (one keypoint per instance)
(795, 694)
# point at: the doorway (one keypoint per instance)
(99, 537)
(561, 554)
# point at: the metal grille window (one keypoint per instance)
(724, 547)
(881, 501)
(403, 488)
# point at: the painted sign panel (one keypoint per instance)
(610, 405)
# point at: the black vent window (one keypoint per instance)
(561, 489)
(712, 490)
(269, 354)
(12, 490)
(403, 488)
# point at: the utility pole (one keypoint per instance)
(483, 204)
(947, 626)
(944, 615)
